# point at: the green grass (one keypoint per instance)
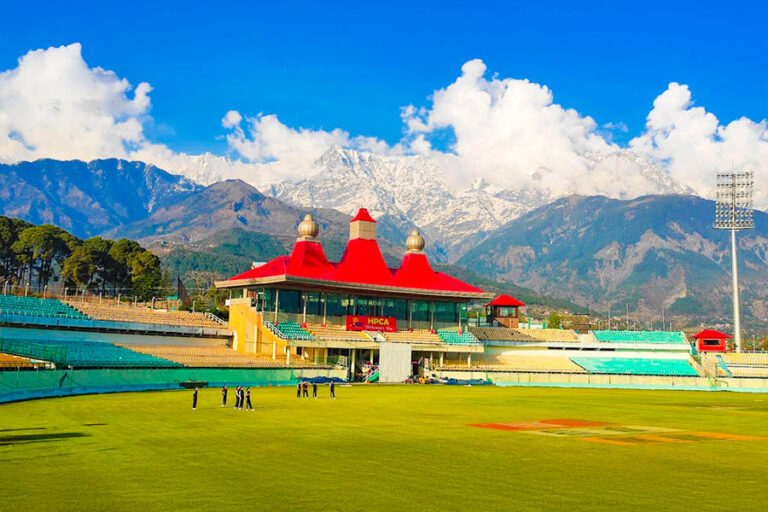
(379, 448)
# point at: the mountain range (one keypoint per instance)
(650, 252)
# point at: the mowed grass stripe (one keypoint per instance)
(380, 448)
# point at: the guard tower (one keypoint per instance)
(503, 310)
(711, 341)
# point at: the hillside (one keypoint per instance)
(87, 198)
(652, 252)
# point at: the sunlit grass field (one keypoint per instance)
(386, 448)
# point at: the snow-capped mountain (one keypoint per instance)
(412, 190)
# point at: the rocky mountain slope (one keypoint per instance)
(87, 198)
(414, 190)
(652, 252)
(234, 205)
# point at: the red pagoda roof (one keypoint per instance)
(362, 266)
(506, 301)
(711, 334)
(363, 214)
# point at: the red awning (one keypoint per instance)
(711, 334)
(506, 301)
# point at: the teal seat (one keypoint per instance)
(83, 354)
(34, 306)
(454, 338)
(640, 336)
(636, 366)
(293, 331)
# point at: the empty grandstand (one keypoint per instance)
(523, 362)
(415, 336)
(143, 315)
(636, 366)
(640, 336)
(82, 354)
(291, 331)
(457, 338)
(12, 362)
(33, 306)
(743, 365)
(214, 357)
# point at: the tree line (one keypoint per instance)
(45, 254)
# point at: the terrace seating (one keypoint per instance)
(83, 354)
(293, 331)
(636, 366)
(213, 356)
(550, 335)
(11, 362)
(34, 306)
(455, 338)
(640, 336)
(499, 334)
(336, 333)
(144, 315)
(416, 336)
(746, 364)
(524, 363)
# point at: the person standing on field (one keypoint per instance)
(194, 399)
(298, 389)
(333, 390)
(314, 390)
(305, 390)
(224, 396)
(248, 406)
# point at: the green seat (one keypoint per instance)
(454, 338)
(636, 366)
(83, 354)
(293, 331)
(640, 336)
(34, 306)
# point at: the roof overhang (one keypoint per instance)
(305, 282)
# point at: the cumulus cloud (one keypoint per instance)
(264, 139)
(501, 133)
(53, 105)
(692, 145)
(507, 131)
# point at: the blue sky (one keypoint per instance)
(354, 65)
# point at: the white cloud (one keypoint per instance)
(265, 139)
(505, 133)
(692, 145)
(53, 105)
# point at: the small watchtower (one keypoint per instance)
(709, 340)
(503, 310)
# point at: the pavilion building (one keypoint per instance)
(303, 305)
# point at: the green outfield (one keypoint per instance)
(389, 448)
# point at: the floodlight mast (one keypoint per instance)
(733, 211)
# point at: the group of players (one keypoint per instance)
(302, 389)
(243, 395)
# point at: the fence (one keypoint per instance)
(23, 385)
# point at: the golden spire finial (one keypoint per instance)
(415, 243)
(308, 228)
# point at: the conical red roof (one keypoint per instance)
(711, 334)
(506, 301)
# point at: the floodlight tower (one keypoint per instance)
(733, 211)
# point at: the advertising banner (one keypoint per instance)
(371, 323)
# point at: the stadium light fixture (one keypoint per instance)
(733, 211)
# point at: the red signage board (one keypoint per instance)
(371, 323)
